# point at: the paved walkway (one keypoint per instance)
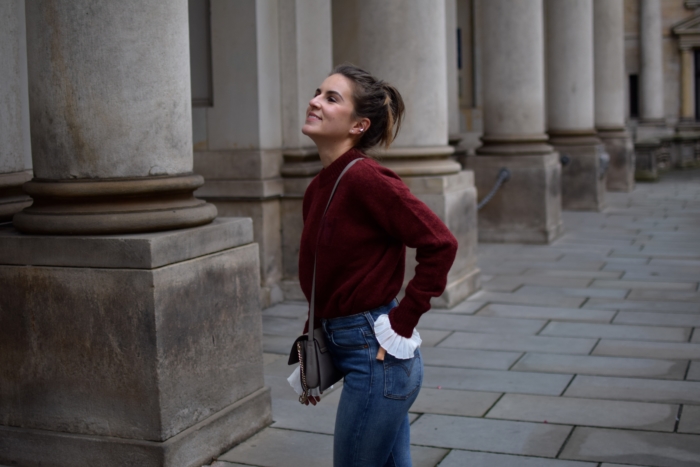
(583, 353)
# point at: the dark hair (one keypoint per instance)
(376, 100)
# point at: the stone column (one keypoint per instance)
(570, 102)
(453, 119)
(610, 96)
(241, 156)
(528, 207)
(306, 59)
(15, 149)
(412, 33)
(652, 119)
(687, 86)
(123, 349)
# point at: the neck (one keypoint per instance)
(329, 152)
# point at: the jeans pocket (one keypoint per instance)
(402, 378)
(349, 339)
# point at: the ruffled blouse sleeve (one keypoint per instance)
(395, 344)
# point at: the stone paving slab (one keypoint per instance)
(290, 310)
(273, 325)
(586, 412)
(657, 319)
(690, 420)
(454, 402)
(655, 285)
(668, 307)
(520, 343)
(634, 389)
(431, 337)
(633, 447)
(540, 312)
(617, 331)
(485, 324)
(571, 292)
(642, 294)
(464, 308)
(575, 273)
(504, 283)
(277, 344)
(517, 267)
(520, 299)
(534, 439)
(696, 335)
(694, 372)
(495, 380)
(458, 458)
(605, 464)
(488, 359)
(646, 349)
(602, 366)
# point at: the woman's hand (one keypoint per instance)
(380, 354)
(313, 399)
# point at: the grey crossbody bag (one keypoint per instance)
(315, 361)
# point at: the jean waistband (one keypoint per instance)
(360, 318)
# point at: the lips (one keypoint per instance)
(312, 116)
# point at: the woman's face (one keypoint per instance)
(329, 115)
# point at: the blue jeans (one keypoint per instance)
(371, 427)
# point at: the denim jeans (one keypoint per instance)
(371, 427)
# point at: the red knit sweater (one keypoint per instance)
(362, 244)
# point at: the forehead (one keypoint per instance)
(338, 83)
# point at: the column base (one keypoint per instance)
(649, 129)
(12, 198)
(681, 148)
(193, 447)
(149, 347)
(583, 178)
(117, 206)
(618, 144)
(646, 167)
(527, 208)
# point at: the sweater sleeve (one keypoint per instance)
(408, 219)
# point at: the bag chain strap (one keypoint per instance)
(304, 395)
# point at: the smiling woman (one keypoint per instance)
(355, 251)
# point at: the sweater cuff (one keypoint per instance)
(403, 323)
(394, 344)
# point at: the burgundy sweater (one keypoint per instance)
(362, 244)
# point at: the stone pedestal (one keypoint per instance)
(646, 164)
(15, 151)
(527, 208)
(652, 121)
(130, 350)
(618, 145)
(583, 178)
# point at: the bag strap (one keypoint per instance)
(313, 283)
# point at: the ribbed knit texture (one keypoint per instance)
(362, 244)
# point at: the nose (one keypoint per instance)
(313, 102)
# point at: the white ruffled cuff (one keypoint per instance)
(395, 345)
(294, 381)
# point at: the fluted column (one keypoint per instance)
(651, 79)
(528, 207)
(412, 56)
(241, 156)
(110, 119)
(306, 59)
(687, 85)
(610, 96)
(570, 103)
(15, 149)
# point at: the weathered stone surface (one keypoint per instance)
(503, 283)
(135, 251)
(634, 447)
(451, 402)
(657, 319)
(694, 372)
(635, 389)
(519, 343)
(559, 314)
(631, 348)
(582, 179)
(652, 285)
(690, 420)
(450, 357)
(275, 447)
(666, 307)
(431, 338)
(641, 294)
(457, 458)
(464, 308)
(619, 331)
(495, 381)
(586, 412)
(571, 292)
(484, 324)
(521, 299)
(576, 273)
(603, 366)
(489, 435)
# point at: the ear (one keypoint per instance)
(360, 127)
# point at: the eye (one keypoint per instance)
(332, 99)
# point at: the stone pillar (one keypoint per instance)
(652, 119)
(687, 86)
(141, 349)
(305, 61)
(570, 102)
(453, 120)
(15, 149)
(242, 156)
(528, 207)
(609, 65)
(411, 33)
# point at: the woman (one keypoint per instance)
(361, 245)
